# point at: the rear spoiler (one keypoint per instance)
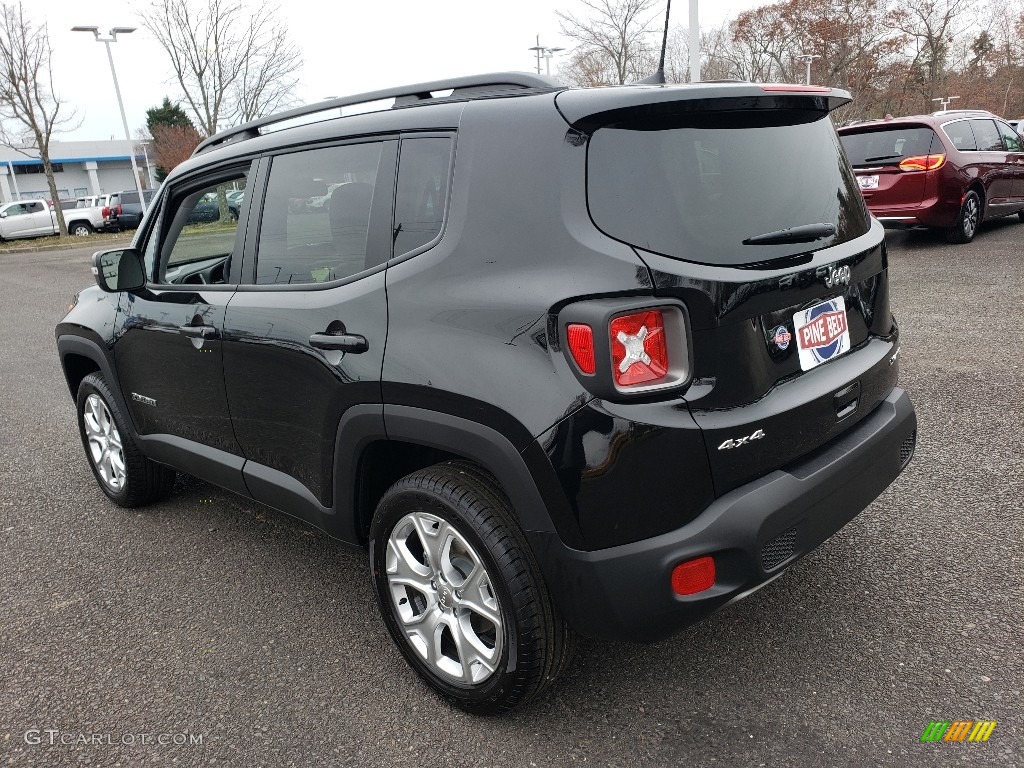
(585, 110)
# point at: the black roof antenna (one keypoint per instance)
(658, 78)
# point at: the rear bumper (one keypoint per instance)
(754, 532)
(933, 212)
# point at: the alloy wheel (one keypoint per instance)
(105, 449)
(444, 599)
(970, 215)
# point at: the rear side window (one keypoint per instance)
(961, 135)
(422, 192)
(889, 146)
(696, 193)
(316, 215)
(987, 135)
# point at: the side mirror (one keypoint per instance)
(3, 214)
(120, 270)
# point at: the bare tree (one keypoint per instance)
(232, 65)
(933, 26)
(613, 42)
(28, 102)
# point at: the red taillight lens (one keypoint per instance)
(117, 210)
(923, 163)
(581, 345)
(693, 576)
(105, 212)
(639, 353)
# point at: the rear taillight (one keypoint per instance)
(106, 212)
(639, 354)
(581, 346)
(922, 163)
(625, 348)
(117, 210)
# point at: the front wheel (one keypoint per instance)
(970, 217)
(122, 471)
(460, 592)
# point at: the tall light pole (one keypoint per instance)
(944, 101)
(694, 42)
(117, 89)
(808, 58)
(547, 53)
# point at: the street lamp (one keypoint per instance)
(944, 101)
(117, 89)
(807, 58)
(546, 52)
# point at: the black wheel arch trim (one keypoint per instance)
(522, 474)
(68, 344)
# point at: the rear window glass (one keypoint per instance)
(695, 193)
(888, 146)
(128, 198)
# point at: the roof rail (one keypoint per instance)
(471, 87)
(944, 112)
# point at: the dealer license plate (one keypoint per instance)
(822, 333)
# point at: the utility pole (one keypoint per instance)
(944, 101)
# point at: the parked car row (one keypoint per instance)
(950, 170)
(112, 212)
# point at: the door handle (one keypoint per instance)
(198, 331)
(344, 342)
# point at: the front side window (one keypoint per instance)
(422, 192)
(987, 134)
(315, 226)
(202, 230)
(1010, 137)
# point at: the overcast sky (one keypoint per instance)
(348, 47)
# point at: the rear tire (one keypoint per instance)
(127, 477)
(80, 229)
(969, 221)
(460, 592)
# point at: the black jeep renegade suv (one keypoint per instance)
(595, 361)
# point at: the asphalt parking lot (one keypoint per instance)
(211, 616)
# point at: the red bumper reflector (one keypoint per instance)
(581, 345)
(693, 576)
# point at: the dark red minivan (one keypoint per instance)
(949, 170)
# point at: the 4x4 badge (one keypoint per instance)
(737, 442)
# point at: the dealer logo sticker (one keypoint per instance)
(781, 337)
(822, 333)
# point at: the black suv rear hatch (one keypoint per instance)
(741, 203)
